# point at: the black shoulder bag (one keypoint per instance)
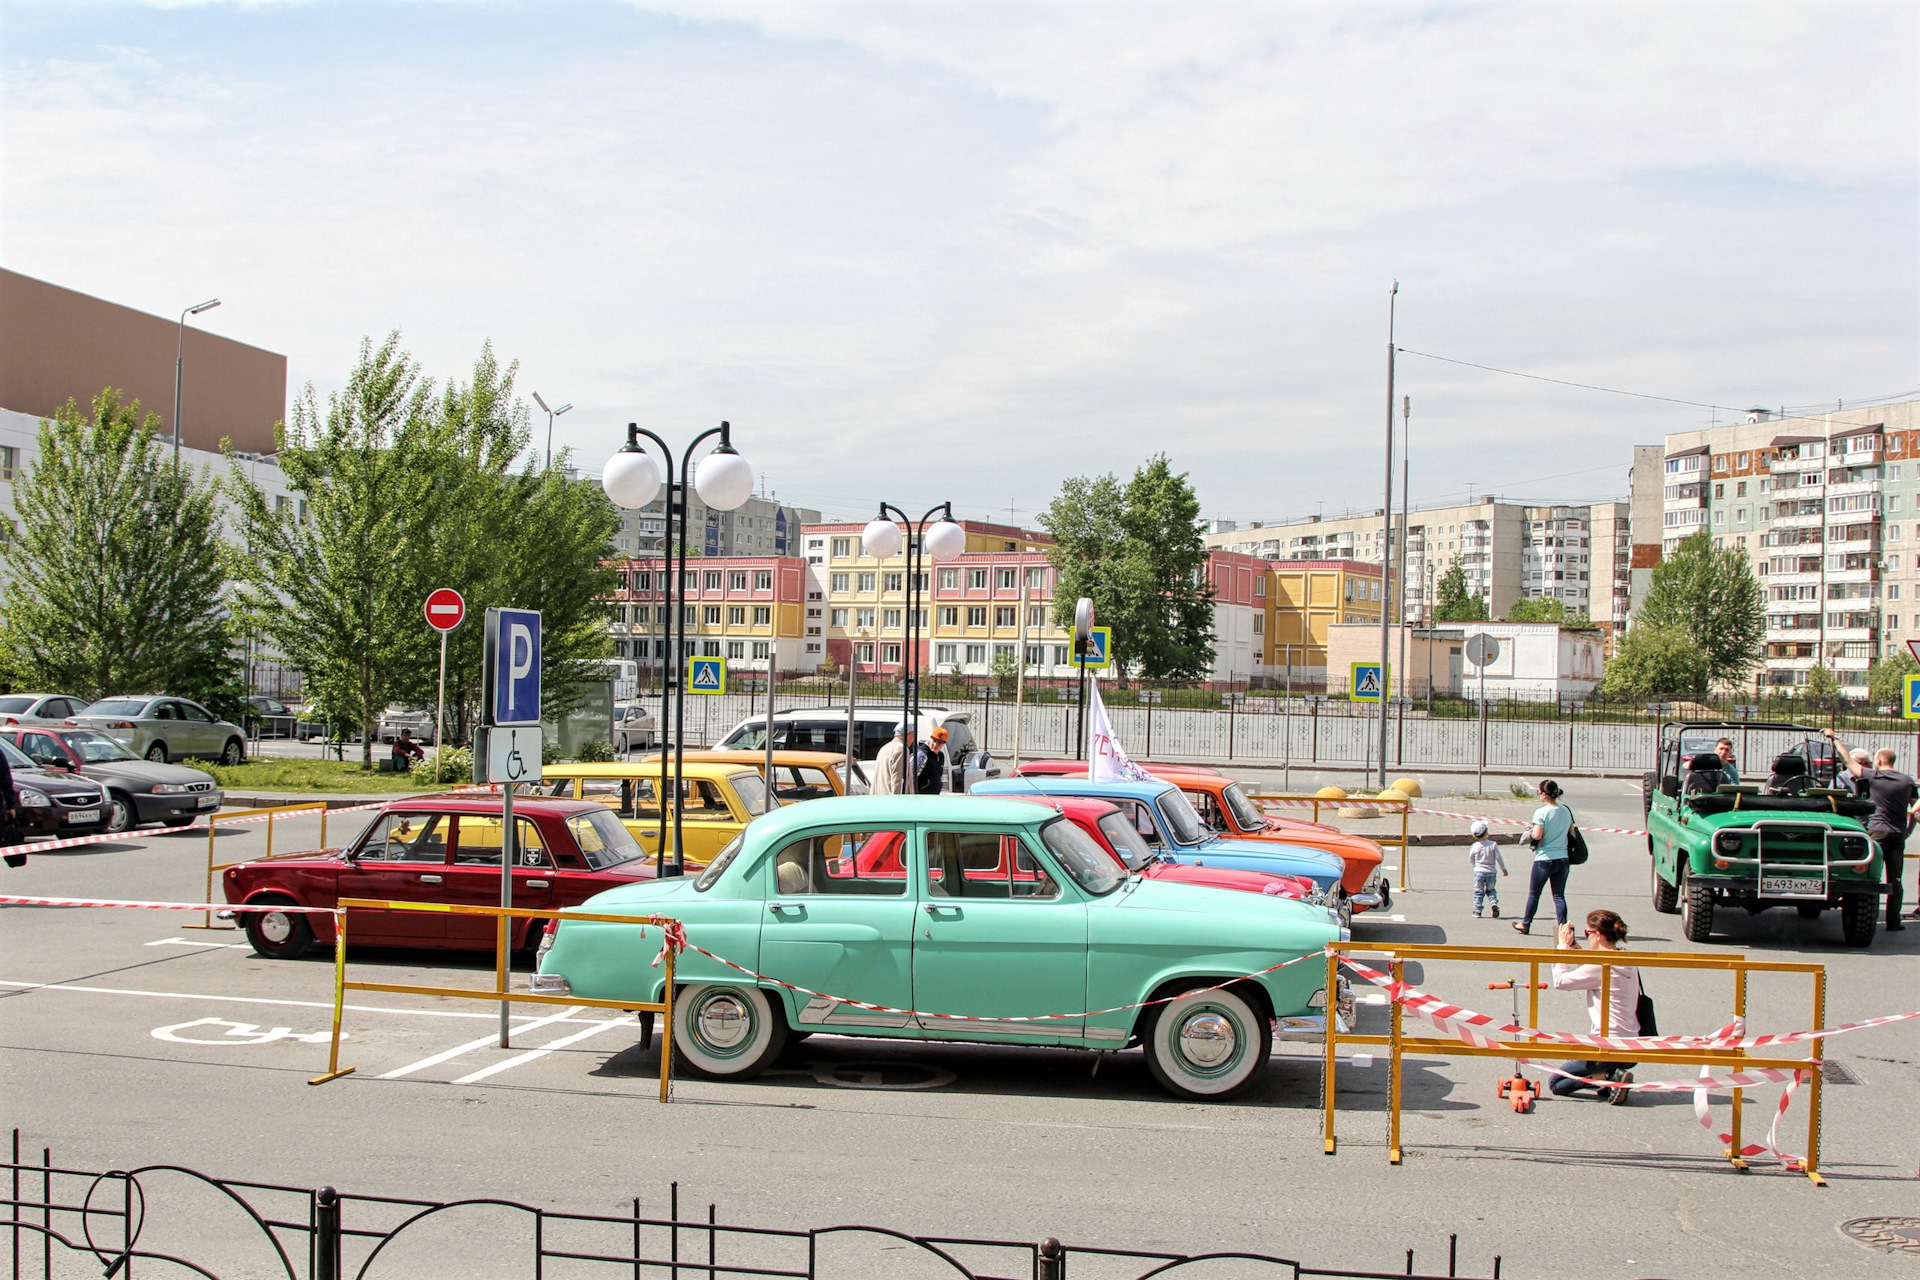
(1576, 843)
(1643, 1011)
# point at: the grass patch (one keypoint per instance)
(319, 776)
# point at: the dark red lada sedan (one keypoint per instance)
(439, 849)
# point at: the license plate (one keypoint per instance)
(84, 815)
(209, 802)
(1806, 886)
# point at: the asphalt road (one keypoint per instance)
(127, 1039)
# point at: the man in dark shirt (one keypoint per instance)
(9, 820)
(1895, 798)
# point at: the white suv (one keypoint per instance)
(825, 729)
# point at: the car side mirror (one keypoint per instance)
(1670, 786)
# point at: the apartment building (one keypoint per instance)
(1305, 600)
(1609, 561)
(746, 609)
(762, 526)
(1823, 505)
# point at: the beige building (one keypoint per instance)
(1824, 506)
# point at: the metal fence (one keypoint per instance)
(170, 1220)
(1258, 730)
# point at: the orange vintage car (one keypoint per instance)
(1224, 807)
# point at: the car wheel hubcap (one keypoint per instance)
(276, 927)
(723, 1023)
(1208, 1041)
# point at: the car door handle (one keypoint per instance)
(933, 908)
(536, 884)
(429, 879)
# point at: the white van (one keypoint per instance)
(825, 729)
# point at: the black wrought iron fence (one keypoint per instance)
(170, 1220)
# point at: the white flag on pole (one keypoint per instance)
(1107, 760)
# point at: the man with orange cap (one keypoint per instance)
(930, 765)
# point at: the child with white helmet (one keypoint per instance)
(1484, 854)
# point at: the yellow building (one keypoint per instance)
(1304, 598)
(746, 609)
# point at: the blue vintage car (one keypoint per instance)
(1165, 818)
(928, 905)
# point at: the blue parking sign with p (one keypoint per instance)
(1911, 707)
(706, 675)
(512, 667)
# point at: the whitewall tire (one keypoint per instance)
(1207, 1044)
(725, 1032)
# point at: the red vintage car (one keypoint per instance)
(442, 848)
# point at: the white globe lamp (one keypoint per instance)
(631, 478)
(881, 539)
(723, 479)
(945, 540)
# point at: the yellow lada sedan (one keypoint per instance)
(716, 800)
(797, 775)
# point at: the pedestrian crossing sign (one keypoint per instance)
(706, 675)
(1099, 649)
(1368, 682)
(1911, 704)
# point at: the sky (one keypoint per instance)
(923, 252)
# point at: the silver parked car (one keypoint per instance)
(43, 708)
(157, 727)
(633, 726)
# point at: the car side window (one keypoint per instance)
(1143, 823)
(408, 837)
(1208, 808)
(42, 749)
(865, 863)
(163, 711)
(200, 715)
(985, 864)
(480, 844)
(703, 801)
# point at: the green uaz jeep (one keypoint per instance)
(1771, 840)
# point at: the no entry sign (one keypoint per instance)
(445, 609)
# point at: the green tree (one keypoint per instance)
(1821, 685)
(1546, 610)
(1887, 679)
(1655, 662)
(1452, 602)
(337, 590)
(115, 583)
(1137, 552)
(1709, 594)
(1006, 672)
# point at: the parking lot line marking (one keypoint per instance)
(291, 1004)
(544, 1050)
(195, 942)
(448, 1054)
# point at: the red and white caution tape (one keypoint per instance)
(21, 900)
(1361, 802)
(76, 841)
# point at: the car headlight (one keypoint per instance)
(1727, 842)
(31, 799)
(169, 788)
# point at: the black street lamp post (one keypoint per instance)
(724, 481)
(943, 540)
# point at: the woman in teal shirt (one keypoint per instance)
(1551, 821)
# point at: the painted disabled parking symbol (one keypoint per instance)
(236, 1033)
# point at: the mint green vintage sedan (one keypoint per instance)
(995, 909)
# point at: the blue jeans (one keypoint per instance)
(1484, 890)
(1565, 1088)
(1553, 872)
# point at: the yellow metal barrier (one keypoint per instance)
(1402, 806)
(214, 866)
(1398, 1043)
(502, 914)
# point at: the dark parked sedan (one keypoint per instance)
(138, 791)
(53, 805)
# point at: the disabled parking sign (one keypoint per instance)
(1367, 682)
(706, 675)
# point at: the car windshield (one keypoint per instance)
(752, 790)
(16, 759)
(1246, 814)
(719, 865)
(1185, 823)
(1133, 850)
(14, 706)
(117, 707)
(97, 748)
(1081, 857)
(603, 840)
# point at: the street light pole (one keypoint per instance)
(179, 364)
(724, 481)
(941, 538)
(551, 415)
(1386, 546)
(1406, 519)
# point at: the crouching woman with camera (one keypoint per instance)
(1620, 1016)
